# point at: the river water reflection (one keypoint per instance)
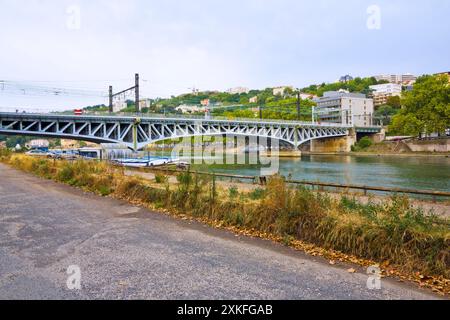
(427, 173)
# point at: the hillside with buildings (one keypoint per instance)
(401, 103)
(281, 102)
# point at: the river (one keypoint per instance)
(425, 173)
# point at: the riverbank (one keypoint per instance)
(427, 206)
(402, 240)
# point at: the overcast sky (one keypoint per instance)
(212, 44)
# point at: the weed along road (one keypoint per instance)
(57, 242)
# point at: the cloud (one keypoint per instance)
(217, 44)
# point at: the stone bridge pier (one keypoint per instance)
(344, 144)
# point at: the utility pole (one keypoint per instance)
(136, 90)
(110, 99)
(298, 105)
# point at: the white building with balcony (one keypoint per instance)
(352, 109)
(382, 92)
(405, 79)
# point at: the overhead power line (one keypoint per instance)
(23, 88)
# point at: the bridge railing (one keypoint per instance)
(366, 190)
(184, 117)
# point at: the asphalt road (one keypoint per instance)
(125, 252)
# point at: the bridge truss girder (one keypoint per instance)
(136, 133)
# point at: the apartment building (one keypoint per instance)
(345, 108)
(398, 78)
(238, 90)
(382, 92)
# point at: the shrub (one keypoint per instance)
(257, 194)
(362, 144)
(185, 179)
(365, 142)
(233, 192)
(66, 173)
(161, 178)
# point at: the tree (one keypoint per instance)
(385, 112)
(426, 109)
(361, 85)
(394, 102)
(55, 143)
(15, 140)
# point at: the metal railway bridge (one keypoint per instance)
(137, 132)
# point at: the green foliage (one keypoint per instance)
(426, 109)
(257, 194)
(104, 190)
(12, 141)
(233, 192)
(386, 112)
(277, 108)
(98, 108)
(5, 154)
(185, 179)
(55, 143)
(357, 85)
(66, 174)
(395, 102)
(362, 144)
(365, 142)
(241, 114)
(161, 178)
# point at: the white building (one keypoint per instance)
(279, 91)
(146, 103)
(253, 99)
(184, 108)
(119, 105)
(382, 92)
(238, 90)
(397, 78)
(352, 109)
(38, 144)
(307, 96)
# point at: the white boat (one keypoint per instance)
(142, 163)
